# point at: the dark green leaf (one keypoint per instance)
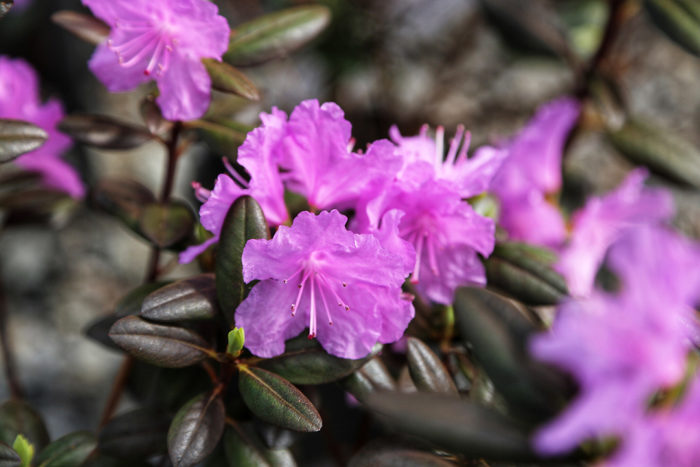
(85, 27)
(498, 332)
(382, 455)
(226, 78)
(67, 451)
(166, 388)
(166, 224)
(17, 417)
(187, 299)
(244, 220)
(245, 449)
(103, 132)
(427, 371)
(8, 456)
(275, 34)
(138, 434)
(305, 362)
(5, 7)
(18, 137)
(516, 268)
(275, 400)
(123, 198)
(371, 377)
(222, 138)
(152, 116)
(166, 346)
(196, 430)
(456, 425)
(679, 20)
(662, 151)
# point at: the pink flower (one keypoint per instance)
(598, 224)
(623, 347)
(164, 40)
(19, 99)
(345, 287)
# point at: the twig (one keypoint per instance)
(118, 386)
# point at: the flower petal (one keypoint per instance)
(185, 89)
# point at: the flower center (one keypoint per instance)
(139, 42)
(422, 235)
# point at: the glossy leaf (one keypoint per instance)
(662, 151)
(497, 331)
(517, 269)
(103, 132)
(245, 449)
(85, 27)
(193, 298)
(17, 417)
(679, 20)
(166, 346)
(8, 457)
(372, 376)
(427, 371)
(18, 137)
(37, 206)
(387, 455)
(136, 435)
(226, 78)
(71, 449)
(123, 198)
(196, 429)
(305, 362)
(222, 138)
(166, 389)
(275, 34)
(166, 224)
(244, 220)
(456, 425)
(275, 400)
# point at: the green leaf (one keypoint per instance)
(196, 429)
(226, 78)
(517, 269)
(275, 400)
(498, 332)
(427, 371)
(193, 298)
(379, 454)
(8, 457)
(124, 199)
(166, 388)
(25, 450)
(136, 435)
(85, 27)
(221, 137)
(275, 34)
(17, 417)
(371, 377)
(456, 425)
(18, 137)
(166, 224)
(67, 451)
(167, 346)
(679, 20)
(244, 220)
(236, 341)
(244, 448)
(104, 132)
(305, 362)
(662, 151)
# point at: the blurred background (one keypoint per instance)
(485, 64)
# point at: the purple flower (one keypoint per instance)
(531, 171)
(165, 40)
(258, 155)
(623, 347)
(345, 287)
(19, 99)
(602, 220)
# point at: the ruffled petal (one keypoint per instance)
(214, 210)
(185, 89)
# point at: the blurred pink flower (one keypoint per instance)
(346, 287)
(164, 40)
(20, 99)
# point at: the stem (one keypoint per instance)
(7, 355)
(118, 386)
(171, 163)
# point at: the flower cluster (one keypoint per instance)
(624, 347)
(410, 216)
(20, 99)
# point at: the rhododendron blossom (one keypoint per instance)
(19, 99)
(345, 287)
(164, 40)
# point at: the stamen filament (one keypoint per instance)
(439, 146)
(235, 175)
(325, 305)
(312, 313)
(452, 153)
(431, 255)
(419, 252)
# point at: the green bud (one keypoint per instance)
(236, 339)
(24, 449)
